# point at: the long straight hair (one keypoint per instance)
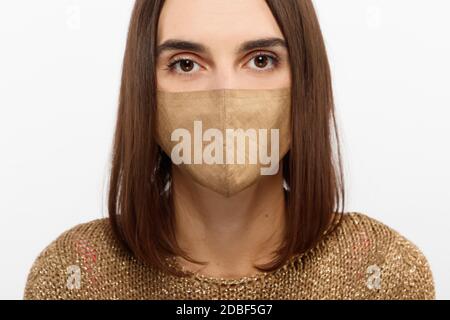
(141, 210)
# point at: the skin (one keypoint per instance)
(231, 234)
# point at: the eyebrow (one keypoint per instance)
(176, 44)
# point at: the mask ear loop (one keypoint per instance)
(286, 191)
(163, 157)
(285, 186)
(167, 186)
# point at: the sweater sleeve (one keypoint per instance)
(403, 270)
(65, 268)
(416, 280)
(45, 279)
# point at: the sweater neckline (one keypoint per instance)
(290, 263)
(233, 281)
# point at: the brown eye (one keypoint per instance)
(261, 61)
(186, 65)
(183, 66)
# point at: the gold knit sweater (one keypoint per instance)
(360, 259)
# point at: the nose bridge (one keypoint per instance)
(223, 81)
(224, 75)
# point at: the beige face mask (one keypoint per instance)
(225, 139)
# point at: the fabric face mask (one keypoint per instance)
(225, 139)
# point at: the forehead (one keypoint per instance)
(216, 21)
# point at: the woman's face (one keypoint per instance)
(220, 44)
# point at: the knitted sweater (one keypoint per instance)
(360, 259)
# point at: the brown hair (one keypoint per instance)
(141, 213)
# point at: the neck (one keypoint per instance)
(230, 234)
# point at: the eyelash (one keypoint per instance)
(172, 64)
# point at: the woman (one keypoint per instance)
(187, 219)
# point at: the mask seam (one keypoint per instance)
(224, 122)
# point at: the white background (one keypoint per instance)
(60, 65)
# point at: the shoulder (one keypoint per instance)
(58, 267)
(394, 267)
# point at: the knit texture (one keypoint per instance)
(360, 259)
